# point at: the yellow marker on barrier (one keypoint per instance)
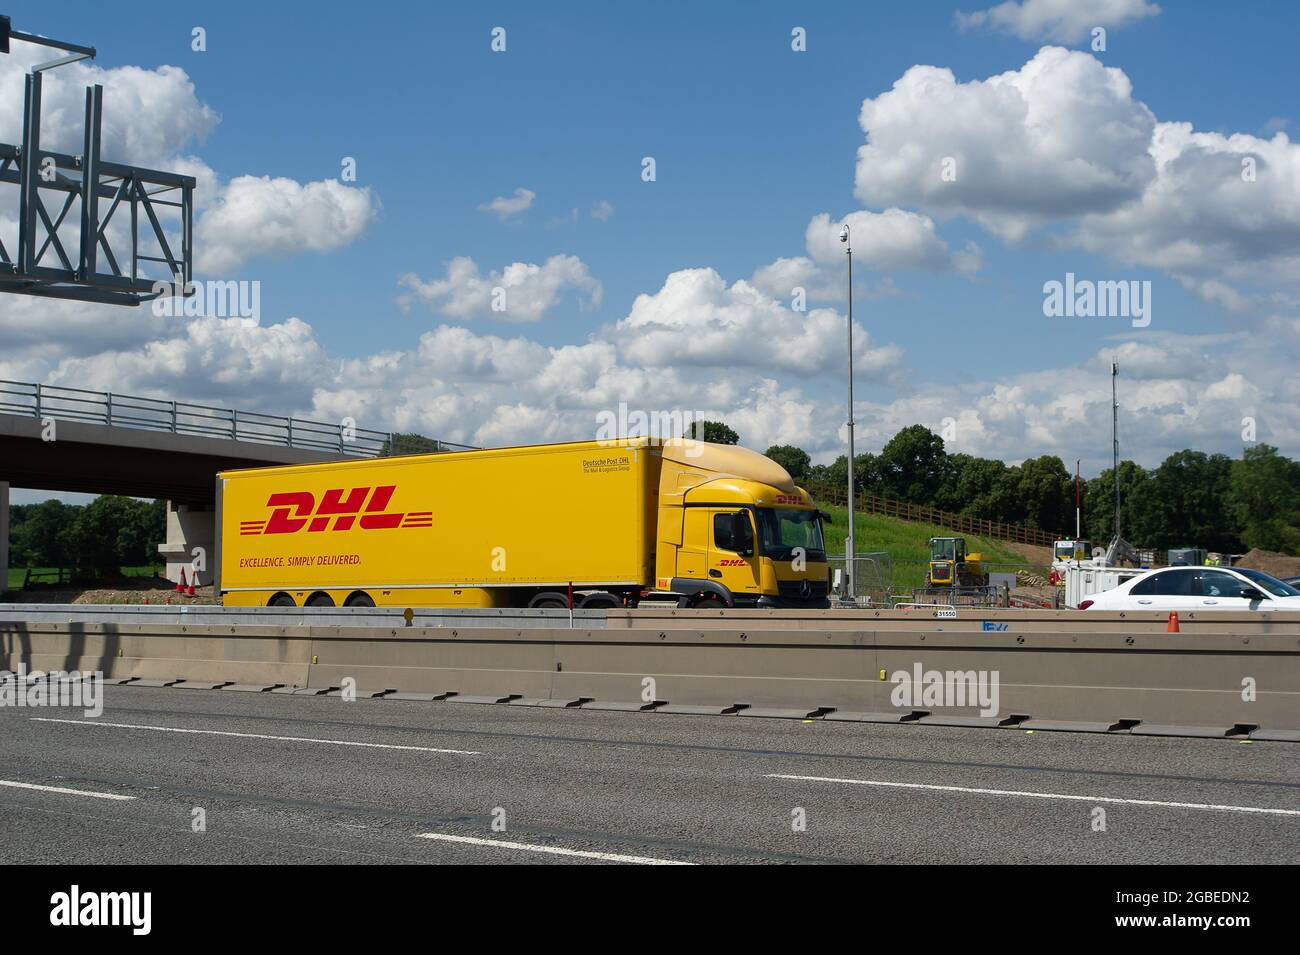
(882, 674)
(1030, 732)
(314, 659)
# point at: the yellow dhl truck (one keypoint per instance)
(591, 524)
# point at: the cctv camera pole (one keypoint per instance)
(1078, 500)
(850, 550)
(1114, 438)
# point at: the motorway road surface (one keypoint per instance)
(278, 778)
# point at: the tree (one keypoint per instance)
(1264, 499)
(714, 432)
(973, 488)
(408, 443)
(795, 460)
(96, 533)
(44, 537)
(913, 465)
(1045, 491)
(1099, 505)
(1185, 503)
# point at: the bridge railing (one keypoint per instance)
(184, 417)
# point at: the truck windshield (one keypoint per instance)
(783, 529)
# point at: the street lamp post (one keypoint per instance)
(850, 550)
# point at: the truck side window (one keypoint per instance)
(724, 537)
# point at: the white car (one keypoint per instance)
(1198, 588)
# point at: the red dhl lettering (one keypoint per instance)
(363, 507)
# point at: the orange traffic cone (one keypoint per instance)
(193, 580)
(180, 584)
(1173, 622)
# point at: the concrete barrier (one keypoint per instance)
(1218, 677)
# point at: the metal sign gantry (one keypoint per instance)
(43, 264)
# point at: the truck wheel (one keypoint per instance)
(281, 600)
(319, 600)
(359, 600)
(709, 602)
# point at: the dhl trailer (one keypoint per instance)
(595, 523)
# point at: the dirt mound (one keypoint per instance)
(1031, 553)
(128, 590)
(1270, 562)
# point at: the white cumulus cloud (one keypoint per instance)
(1059, 138)
(521, 292)
(506, 206)
(1061, 21)
(259, 215)
(696, 319)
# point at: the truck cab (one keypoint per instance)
(735, 531)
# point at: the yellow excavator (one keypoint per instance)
(951, 566)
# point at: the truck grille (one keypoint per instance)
(793, 589)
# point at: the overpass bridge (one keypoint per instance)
(56, 438)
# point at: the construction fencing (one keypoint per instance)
(873, 577)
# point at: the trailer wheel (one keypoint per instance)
(549, 600)
(319, 599)
(359, 600)
(281, 600)
(600, 601)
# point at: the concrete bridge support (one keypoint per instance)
(191, 542)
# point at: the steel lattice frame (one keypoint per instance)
(42, 264)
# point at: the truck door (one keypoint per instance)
(693, 554)
(732, 558)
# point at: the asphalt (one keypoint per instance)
(273, 780)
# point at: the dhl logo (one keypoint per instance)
(295, 510)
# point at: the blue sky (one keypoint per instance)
(751, 141)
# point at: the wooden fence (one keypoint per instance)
(961, 523)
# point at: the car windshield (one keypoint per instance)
(1267, 583)
(783, 529)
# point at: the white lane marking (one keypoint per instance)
(287, 739)
(1016, 792)
(550, 850)
(61, 789)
